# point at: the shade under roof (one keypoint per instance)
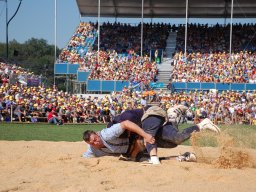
(168, 8)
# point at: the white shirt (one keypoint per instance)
(113, 144)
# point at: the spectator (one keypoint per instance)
(53, 118)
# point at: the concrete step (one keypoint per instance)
(170, 47)
(164, 76)
(165, 69)
(173, 42)
(163, 79)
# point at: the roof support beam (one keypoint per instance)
(225, 15)
(151, 9)
(114, 3)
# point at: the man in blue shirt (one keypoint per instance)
(151, 119)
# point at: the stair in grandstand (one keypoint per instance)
(164, 72)
(165, 68)
(89, 41)
(171, 44)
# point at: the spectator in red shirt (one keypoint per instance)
(52, 117)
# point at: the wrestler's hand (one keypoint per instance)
(149, 139)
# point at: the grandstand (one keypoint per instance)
(200, 71)
(131, 54)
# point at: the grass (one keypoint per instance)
(244, 134)
(45, 132)
(241, 135)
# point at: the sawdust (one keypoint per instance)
(231, 153)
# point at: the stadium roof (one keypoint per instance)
(168, 8)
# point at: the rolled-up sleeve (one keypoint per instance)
(112, 132)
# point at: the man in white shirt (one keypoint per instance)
(108, 141)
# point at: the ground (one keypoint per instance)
(59, 166)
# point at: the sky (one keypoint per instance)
(36, 19)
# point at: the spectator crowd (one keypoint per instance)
(204, 38)
(81, 42)
(128, 38)
(108, 64)
(133, 68)
(33, 104)
(206, 61)
(215, 67)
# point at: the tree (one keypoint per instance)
(35, 55)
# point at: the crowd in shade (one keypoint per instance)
(206, 39)
(32, 104)
(128, 38)
(215, 67)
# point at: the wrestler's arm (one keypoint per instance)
(89, 153)
(130, 126)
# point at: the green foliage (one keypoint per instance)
(36, 55)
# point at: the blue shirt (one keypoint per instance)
(113, 144)
(133, 115)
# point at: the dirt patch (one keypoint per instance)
(231, 153)
(59, 166)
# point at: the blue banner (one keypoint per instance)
(156, 84)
